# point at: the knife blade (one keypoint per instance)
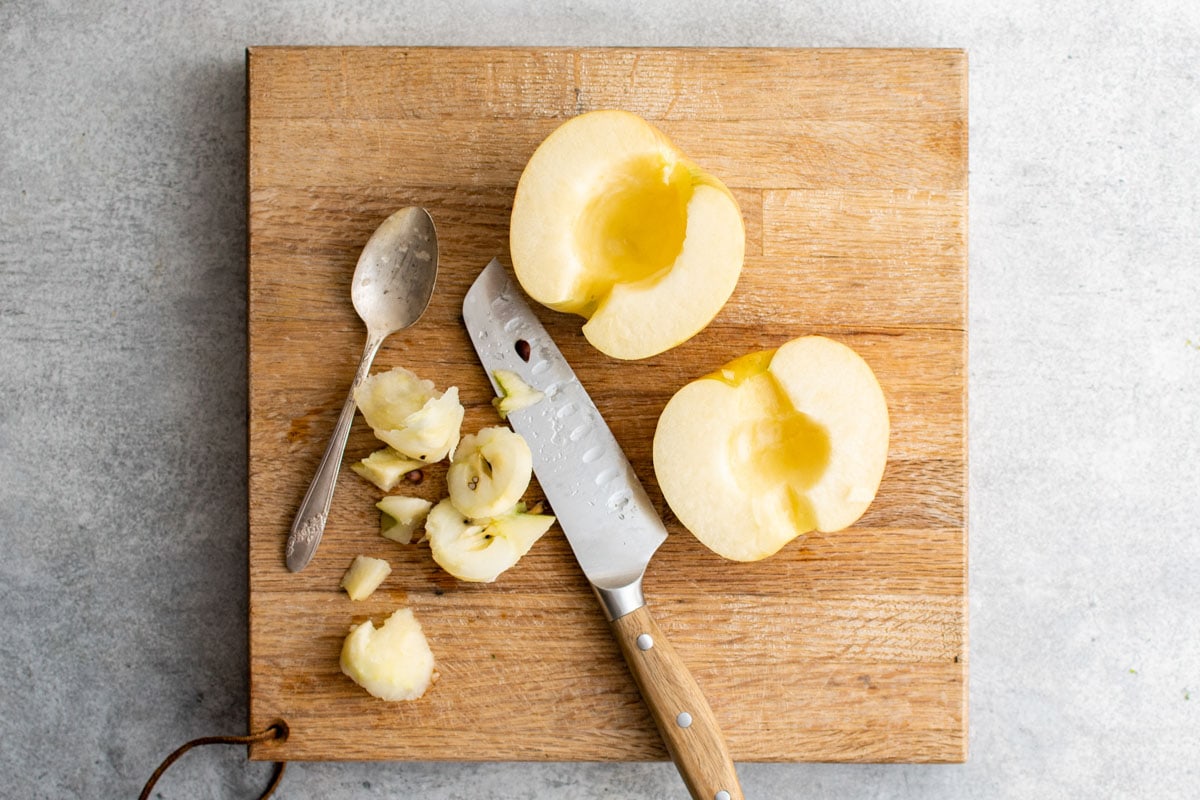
(607, 517)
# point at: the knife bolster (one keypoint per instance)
(618, 601)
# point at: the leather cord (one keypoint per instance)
(278, 730)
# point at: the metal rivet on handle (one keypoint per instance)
(645, 642)
(684, 719)
(721, 795)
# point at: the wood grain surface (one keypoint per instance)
(850, 167)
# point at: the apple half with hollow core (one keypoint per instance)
(611, 222)
(773, 445)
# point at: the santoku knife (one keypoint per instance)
(606, 516)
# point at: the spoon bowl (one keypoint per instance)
(396, 272)
(391, 288)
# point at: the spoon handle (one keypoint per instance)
(314, 509)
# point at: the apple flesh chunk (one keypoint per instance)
(364, 576)
(772, 446)
(386, 467)
(611, 222)
(400, 516)
(392, 662)
(515, 394)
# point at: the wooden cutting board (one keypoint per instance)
(850, 167)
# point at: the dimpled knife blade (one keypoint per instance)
(600, 504)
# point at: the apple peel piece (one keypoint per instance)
(392, 662)
(772, 446)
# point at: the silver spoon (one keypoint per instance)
(391, 288)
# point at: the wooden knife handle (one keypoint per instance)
(684, 718)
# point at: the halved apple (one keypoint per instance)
(773, 445)
(611, 222)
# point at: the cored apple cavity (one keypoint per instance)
(776, 453)
(633, 228)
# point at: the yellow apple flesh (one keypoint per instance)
(386, 467)
(479, 550)
(772, 446)
(400, 516)
(490, 471)
(515, 394)
(611, 222)
(364, 576)
(393, 661)
(409, 415)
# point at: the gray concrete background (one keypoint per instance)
(122, 389)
